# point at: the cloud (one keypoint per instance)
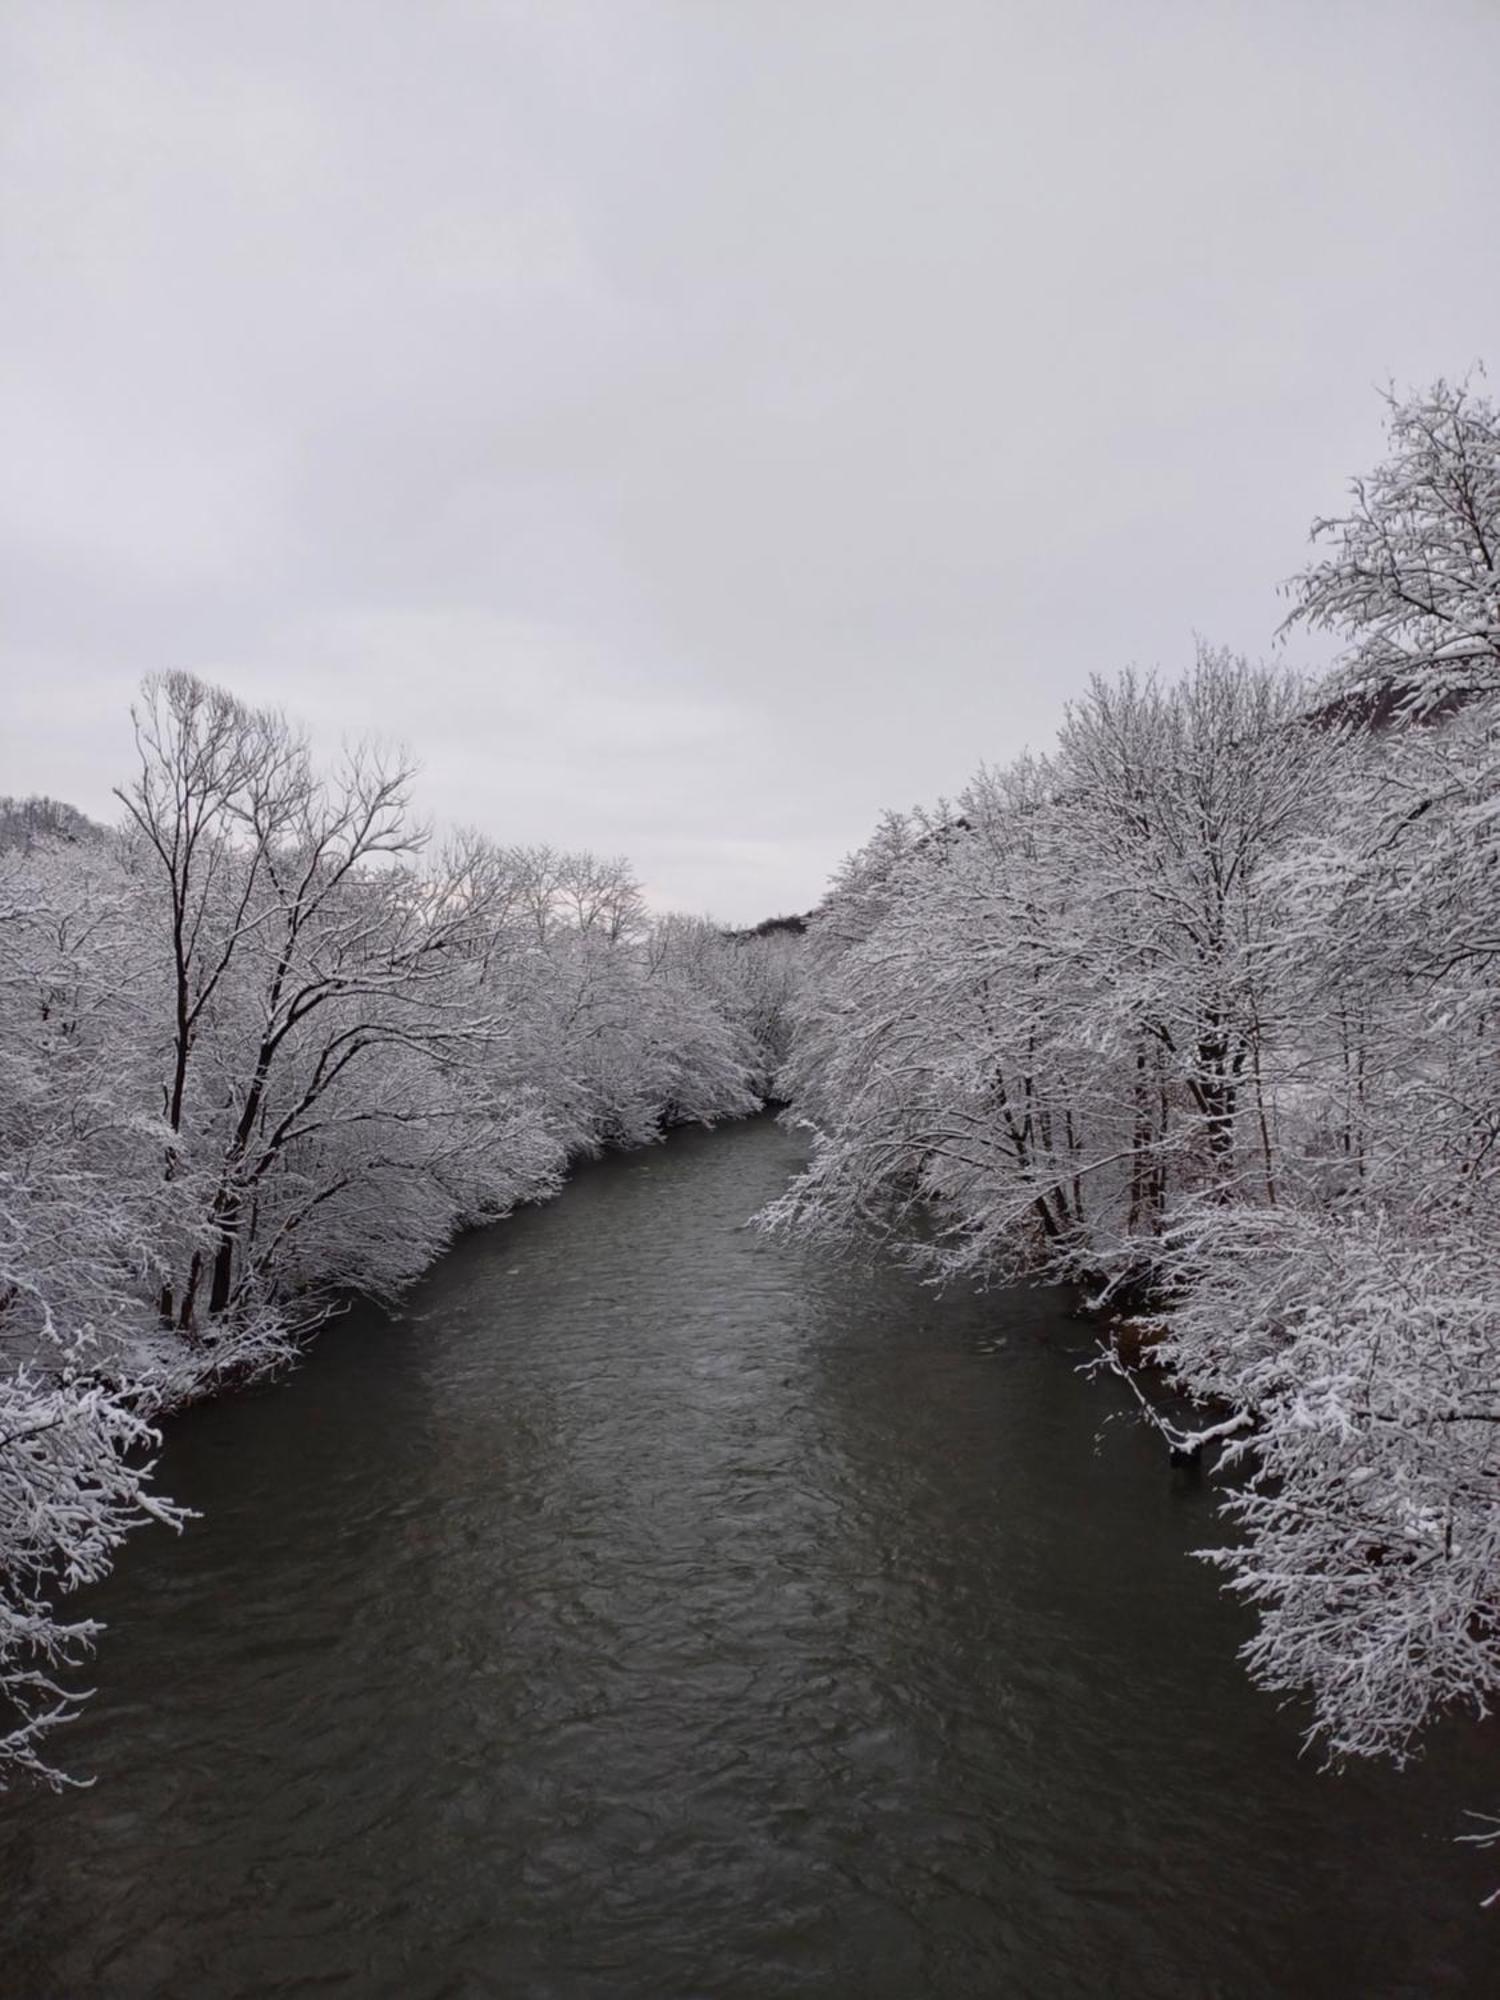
(695, 429)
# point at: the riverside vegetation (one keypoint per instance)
(1199, 1010)
(262, 1047)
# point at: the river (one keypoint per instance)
(655, 1610)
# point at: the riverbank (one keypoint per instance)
(649, 1606)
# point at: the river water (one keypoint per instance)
(654, 1610)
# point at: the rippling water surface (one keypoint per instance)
(656, 1611)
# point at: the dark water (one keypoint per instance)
(655, 1611)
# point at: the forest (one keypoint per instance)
(1197, 1012)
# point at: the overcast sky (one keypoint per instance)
(694, 427)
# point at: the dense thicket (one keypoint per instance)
(263, 1046)
(1203, 1008)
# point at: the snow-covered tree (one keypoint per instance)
(265, 1046)
(1057, 1019)
(73, 1484)
(1412, 579)
(1208, 1002)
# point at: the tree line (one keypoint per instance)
(1197, 1011)
(1200, 1011)
(265, 1045)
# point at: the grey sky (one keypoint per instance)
(694, 427)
